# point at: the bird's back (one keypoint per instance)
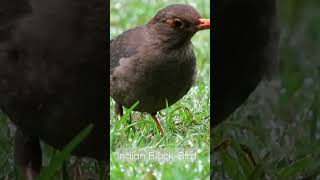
(126, 45)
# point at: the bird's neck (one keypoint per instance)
(171, 44)
(168, 39)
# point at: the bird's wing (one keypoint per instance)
(10, 12)
(126, 45)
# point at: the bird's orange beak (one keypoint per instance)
(204, 24)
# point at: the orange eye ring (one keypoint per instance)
(175, 23)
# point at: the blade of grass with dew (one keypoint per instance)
(57, 162)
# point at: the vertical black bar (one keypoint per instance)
(107, 32)
(213, 17)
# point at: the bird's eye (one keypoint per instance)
(177, 23)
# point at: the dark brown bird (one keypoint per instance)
(245, 46)
(53, 75)
(155, 63)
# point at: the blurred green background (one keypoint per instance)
(186, 123)
(279, 126)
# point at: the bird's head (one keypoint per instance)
(176, 24)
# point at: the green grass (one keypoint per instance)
(186, 123)
(52, 159)
(58, 160)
